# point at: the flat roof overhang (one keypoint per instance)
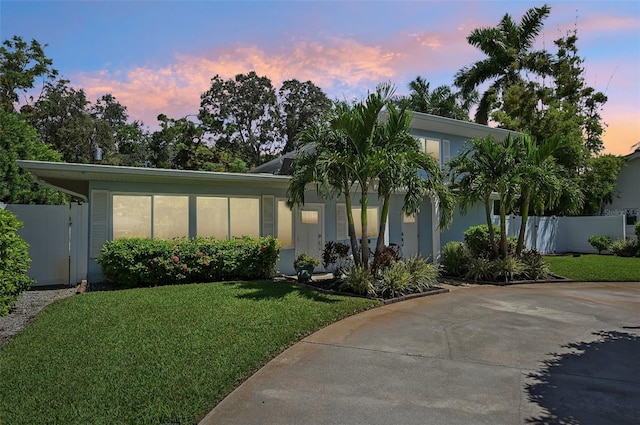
(74, 178)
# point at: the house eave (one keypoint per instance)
(75, 178)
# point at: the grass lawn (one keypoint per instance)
(155, 355)
(596, 268)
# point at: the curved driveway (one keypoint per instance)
(563, 353)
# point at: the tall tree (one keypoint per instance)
(61, 117)
(509, 51)
(442, 101)
(240, 113)
(299, 104)
(600, 177)
(21, 63)
(19, 140)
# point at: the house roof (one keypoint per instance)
(419, 121)
(74, 178)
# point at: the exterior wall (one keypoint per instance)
(287, 255)
(455, 232)
(627, 194)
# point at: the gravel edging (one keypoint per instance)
(27, 307)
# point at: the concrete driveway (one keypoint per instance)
(530, 354)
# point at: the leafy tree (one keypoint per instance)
(240, 113)
(599, 180)
(62, 117)
(21, 63)
(181, 144)
(509, 52)
(442, 101)
(18, 140)
(299, 104)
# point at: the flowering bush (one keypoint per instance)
(134, 262)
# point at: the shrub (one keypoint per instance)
(455, 258)
(384, 259)
(507, 268)
(534, 265)
(134, 262)
(600, 243)
(358, 280)
(14, 262)
(395, 280)
(423, 274)
(637, 229)
(478, 242)
(624, 248)
(335, 256)
(479, 269)
(305, 261)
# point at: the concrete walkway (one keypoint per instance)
(530, 354)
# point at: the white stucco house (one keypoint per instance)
(160, 203)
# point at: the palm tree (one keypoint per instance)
(322, 157)
(404, 164)
(508, 48)
(442, 101)
(355, 147)
(541, 181)
(483, 168)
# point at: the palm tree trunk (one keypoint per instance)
(364, 244)
(503, 230)
(492, 233)
(351, 227)
(523, 224)
(384, 215)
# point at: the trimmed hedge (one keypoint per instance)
(132, 262)
(14, 262)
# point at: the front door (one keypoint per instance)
(310, 230)
(409, 236)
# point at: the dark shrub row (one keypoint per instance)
(134, 262)
(14, 262)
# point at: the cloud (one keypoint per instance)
(336, 65)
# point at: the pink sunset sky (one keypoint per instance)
(159, 56)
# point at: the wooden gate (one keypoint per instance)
(58, 237)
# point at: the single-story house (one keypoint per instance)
(161, 203)
(626, 195)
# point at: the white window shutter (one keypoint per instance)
(342, 229)
(99, 221)
(446, 152)
(268, 215)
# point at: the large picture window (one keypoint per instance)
(147, 216)
(225, 218)
(131, 216)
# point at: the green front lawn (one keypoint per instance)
(596, 268)
(155, 355)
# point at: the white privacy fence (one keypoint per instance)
(554, 235)
(58, 242)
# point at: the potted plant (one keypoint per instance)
(304, 265)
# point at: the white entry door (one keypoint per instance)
(310, 230)
(409, 236)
